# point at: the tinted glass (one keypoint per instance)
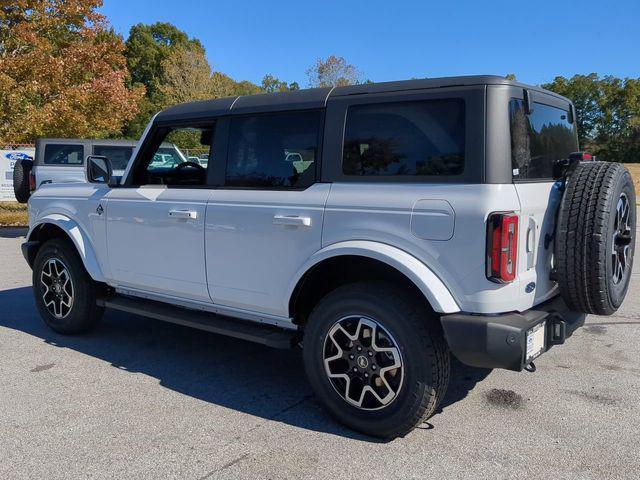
(407, 138)
(118, 156)
(56, 154)
(539, 140)
(276, 150)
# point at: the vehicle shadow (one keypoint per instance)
(463, 380)
(239, 375)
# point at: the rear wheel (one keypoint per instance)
(596, 237)
(65, 294)
(375, 359)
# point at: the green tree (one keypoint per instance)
(245, 87)
(147, 50)
(271, 84)
(62, 72)
(186, 76)
(608, 110)
(174, 69)
(150, 45)
(332, 72)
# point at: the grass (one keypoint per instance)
(634, 168)
(13, 214)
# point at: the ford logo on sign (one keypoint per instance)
(18, 156)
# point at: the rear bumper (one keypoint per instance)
(500, 341)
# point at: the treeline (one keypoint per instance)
(65, 72)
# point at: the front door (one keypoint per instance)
(155, 224)
(266, 221)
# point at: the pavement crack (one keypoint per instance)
(225, 466)
(253, 429)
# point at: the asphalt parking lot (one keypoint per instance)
(143, 399)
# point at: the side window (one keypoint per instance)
(118, 155)
(405, 138)
(178, 156)
(277, 150)
(539, 140)
(56, 154)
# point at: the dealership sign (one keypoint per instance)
(8, 159)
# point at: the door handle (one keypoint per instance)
(531, 243)
(183, 214)
(293, 220)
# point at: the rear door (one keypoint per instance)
(60, 161)
(538, 141)
(265, 221)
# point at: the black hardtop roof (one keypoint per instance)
(317, 97)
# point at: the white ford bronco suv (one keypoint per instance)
(382, 227)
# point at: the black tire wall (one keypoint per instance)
(588, 234)
(21, 172)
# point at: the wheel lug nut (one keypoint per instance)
(355, 369)
(371, 354)
(351, 356)
(359, 349)
(373, 367)
(366, 375)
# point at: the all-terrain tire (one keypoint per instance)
(77, 315)
(424, 353)
(21, 171)
(595, 235)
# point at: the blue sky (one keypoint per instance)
(394, 39)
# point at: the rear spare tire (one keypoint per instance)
(595, 237)
(21, 172)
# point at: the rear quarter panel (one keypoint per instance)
(383, 213)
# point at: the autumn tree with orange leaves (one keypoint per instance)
(62, 72)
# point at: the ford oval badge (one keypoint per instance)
(530, 287)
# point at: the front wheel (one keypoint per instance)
(375, 359)
(65, 294)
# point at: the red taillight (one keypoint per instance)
(32, 181)
(502, 247)
(580, 157)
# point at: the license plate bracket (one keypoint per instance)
(536, 342)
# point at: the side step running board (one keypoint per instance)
(242, 329)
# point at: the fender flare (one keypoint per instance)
(435, 291)
(79, 238)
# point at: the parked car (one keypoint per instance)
(423, 218)
(62, 160)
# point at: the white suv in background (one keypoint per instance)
(382, 227)
(62, 160)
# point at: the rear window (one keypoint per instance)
(118, 155)
(539, 140)
(405, 138)
(56, 154)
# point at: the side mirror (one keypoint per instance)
(98, 169)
